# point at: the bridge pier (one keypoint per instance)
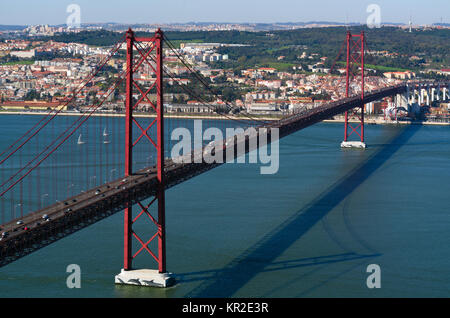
(145, 277)
(353, 144)
(370, 108)
(422, 96)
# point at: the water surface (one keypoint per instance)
(310, 230)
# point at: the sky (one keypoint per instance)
(31, 12)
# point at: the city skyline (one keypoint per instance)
(52, 12)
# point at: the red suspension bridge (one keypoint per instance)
(68, 172)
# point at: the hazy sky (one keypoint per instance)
(27, 12)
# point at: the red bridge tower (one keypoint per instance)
(151, 56)
(355, 61)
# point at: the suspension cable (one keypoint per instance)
(57, 111)
(84, 117)
(191, 93)
(195, 73)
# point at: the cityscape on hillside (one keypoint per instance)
(40, 66)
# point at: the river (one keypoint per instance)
(310, 230)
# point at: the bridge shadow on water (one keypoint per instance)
(260, 257)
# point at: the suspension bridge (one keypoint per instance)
(68, 172)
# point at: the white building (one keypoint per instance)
(23, 54)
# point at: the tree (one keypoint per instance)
(32, 95)
(230, 94)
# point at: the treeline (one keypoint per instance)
(95, 38)
(264, 48)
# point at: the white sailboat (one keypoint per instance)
(80, 142)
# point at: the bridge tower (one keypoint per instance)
(355, 61)
(130, 275)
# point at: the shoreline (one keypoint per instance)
(368, 121)
(166, 115)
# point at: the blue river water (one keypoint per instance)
(310, 230)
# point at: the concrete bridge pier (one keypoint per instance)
(413, 96)
(353, 144)
(145, 277)
(418, 95)
(444, 91)
(369, 108)
(407, 94)
(422, 96)
(401, 100)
